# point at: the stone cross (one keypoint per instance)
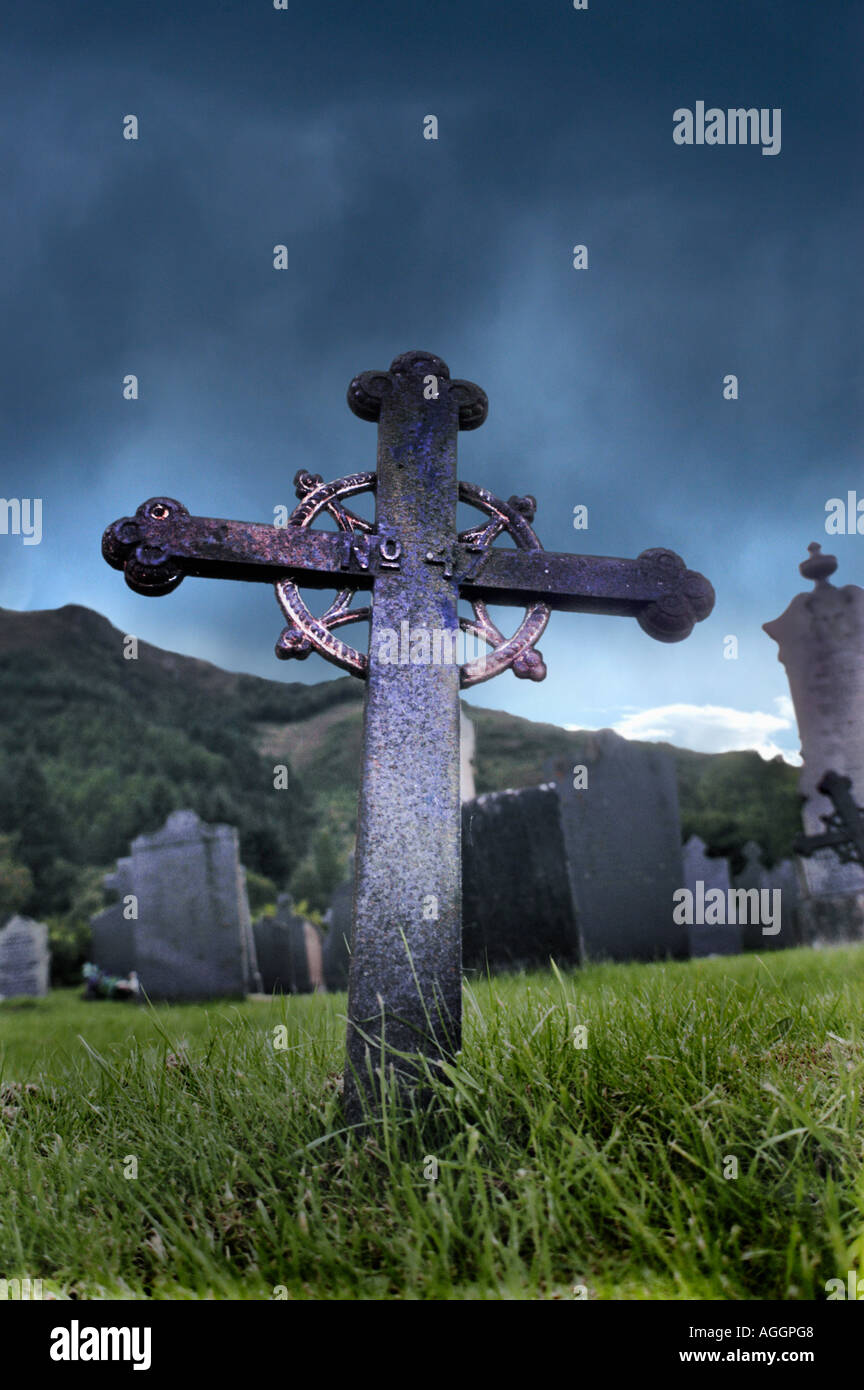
(404, 998)
(844, 828)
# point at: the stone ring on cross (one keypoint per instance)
(306, 633)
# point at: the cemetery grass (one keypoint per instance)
(559, 1168)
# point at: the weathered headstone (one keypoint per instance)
(517, 903)
(821, 644)
(782, 930)
(288, 951)
(112, 931)
(253, 974)
(25, 960)
(786, 876)
(193, 939)
(712, 938)
(405, 975)
(622, 835)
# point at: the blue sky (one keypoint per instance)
(304, 127)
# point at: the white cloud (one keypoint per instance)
(714, 728)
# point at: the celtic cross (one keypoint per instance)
(404, 996)
(844, 827)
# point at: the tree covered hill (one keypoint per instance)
(96, 749)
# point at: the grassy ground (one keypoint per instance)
(608, 1167)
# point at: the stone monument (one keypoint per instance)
(622, 834)
(288, 949)
(821, 644)
(25, 961)
(192, 936)
(517, 900)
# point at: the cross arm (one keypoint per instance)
(844, 830)
(657, 589)
(162, 543)
(828, 839)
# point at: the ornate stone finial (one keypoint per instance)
(368, 390)
(819, 566)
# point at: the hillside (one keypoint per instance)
(95, 749)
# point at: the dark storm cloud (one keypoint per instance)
(304, 128)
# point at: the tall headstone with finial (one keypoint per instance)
(821, 641)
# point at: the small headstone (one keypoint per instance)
(193, 937)
(289, 951)
(25, 960)
(756, 876)
(336, 953)
(517, 902)
(748, 879)
(706, 938)
(622, 834)
(786, 876)
(113, 930)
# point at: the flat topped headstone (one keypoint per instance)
(622, 835)
(25, 960)
(193, 937)
(289, 951)
(517, 902)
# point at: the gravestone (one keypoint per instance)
(706, 938)
(517, 904)
(751, 877)
(786, 876)
(112, 931)
(25, 961)
(193, 937)
(622, 835)
(288, 951)
(253, 974)
(336, 953)
(821, 644)
(782, 876)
